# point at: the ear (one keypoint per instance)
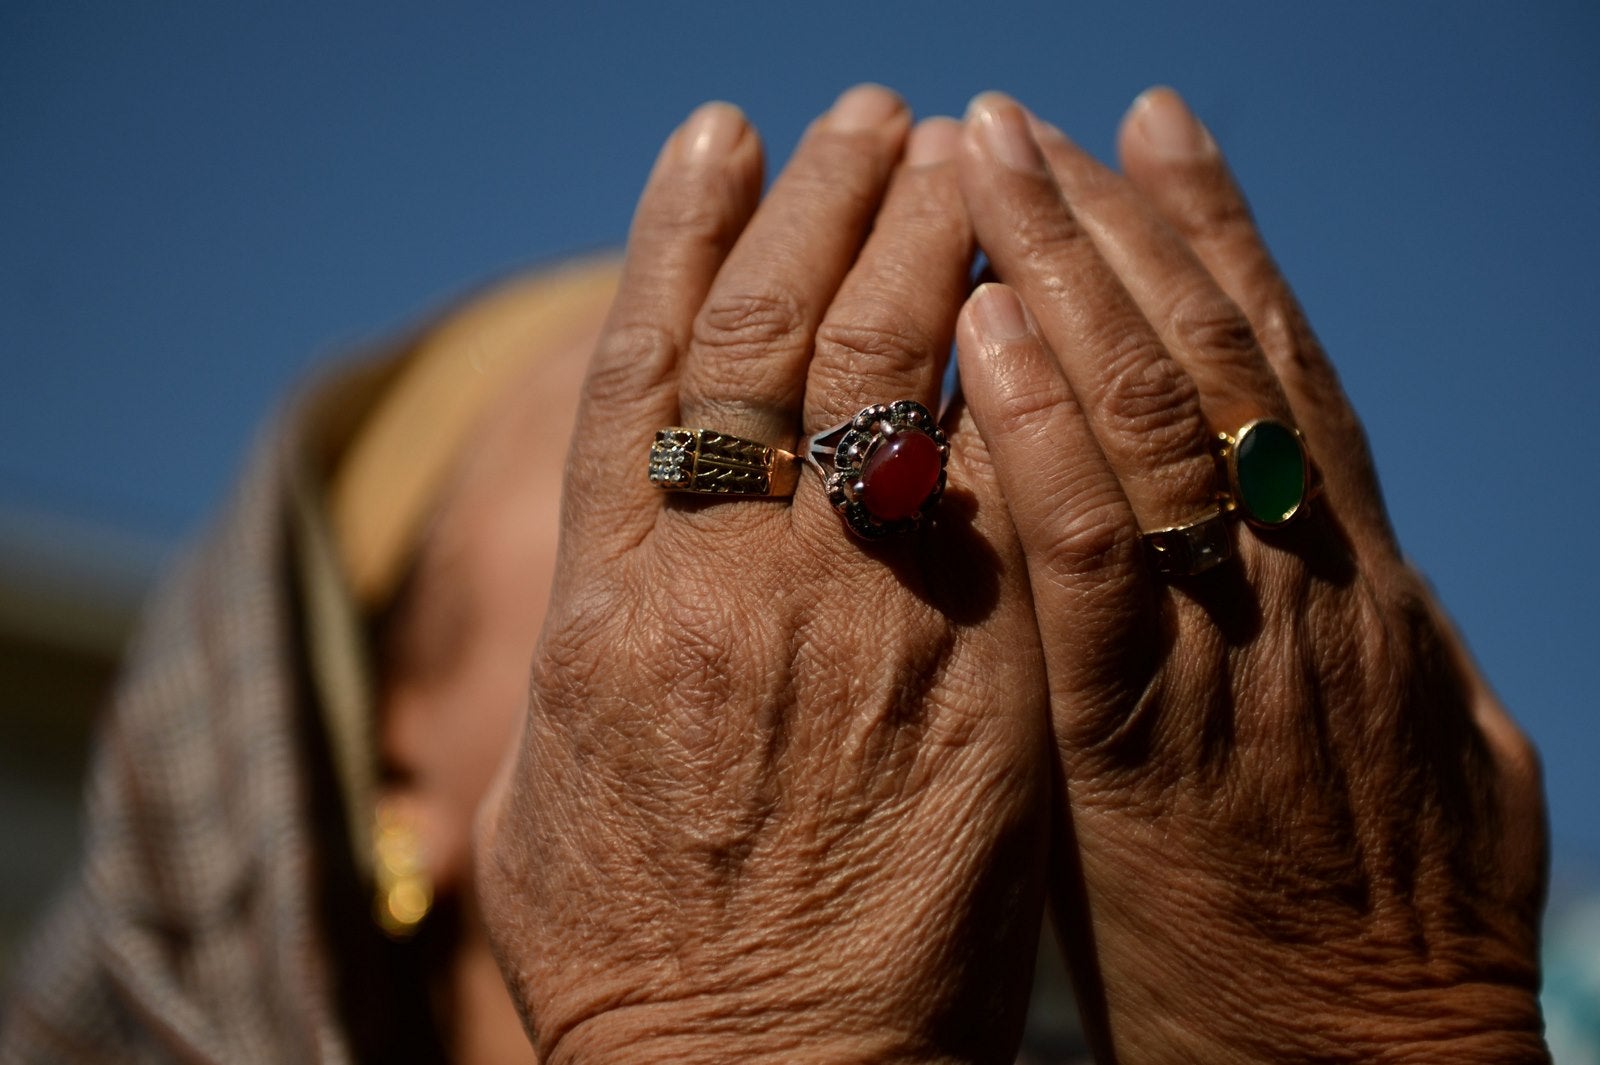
(417, 797)
(454, 664)
(451, 709)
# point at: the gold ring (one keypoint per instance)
(1186, 550)
(706, 462)
(1269, 475)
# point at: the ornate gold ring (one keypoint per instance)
(706, 462)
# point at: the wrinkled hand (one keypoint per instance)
(1296, 826)
(778, 789)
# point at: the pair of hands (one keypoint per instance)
(783, 795)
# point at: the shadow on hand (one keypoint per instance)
(947, 565)
(1228, 599)
(1322, 544)
(1232, 602)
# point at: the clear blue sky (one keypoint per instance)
(199, 202)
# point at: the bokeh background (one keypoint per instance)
(200, 203)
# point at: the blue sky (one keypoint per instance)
(202, 202)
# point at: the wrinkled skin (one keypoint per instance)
(1295, 823)
(777, 787)
(783, 796)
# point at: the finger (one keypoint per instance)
(1143, 408)
(1200, 326)
(1174, 162)
(704, 186)
(887, 333)
(745, 369)
(1074, 521)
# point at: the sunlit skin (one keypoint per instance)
(1299, 825)
(783, 797)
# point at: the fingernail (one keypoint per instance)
(711, 132)
(863, 107)
(1003, 129)
(998, 314)
(1167, 126)
(933, 141)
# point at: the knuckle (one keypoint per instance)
(1022, 412)
(631, 359)
(1146, 399)
(1284, 338)
(1225, 212)
(1215, 209)
(688, 646)
(926, 205)
(674, 647)
(844, 188)
(687, 216)
(864, 338)
(750, 321)
(1206, 323)
(1046, 234)
(844, 170)
(1094, 537)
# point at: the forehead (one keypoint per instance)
(518, 451)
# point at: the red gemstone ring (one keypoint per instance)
(884, 468)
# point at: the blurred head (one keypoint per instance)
(456, 644)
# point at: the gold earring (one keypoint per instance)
(404, 893)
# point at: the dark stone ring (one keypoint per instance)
(883, 469)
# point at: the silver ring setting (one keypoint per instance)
(883, 469)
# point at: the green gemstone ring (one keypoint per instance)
(1268, 473)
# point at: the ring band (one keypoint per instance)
(1268, 480)
(1269, 476)
(1187, 550)
(706, 462)
(884, 468)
